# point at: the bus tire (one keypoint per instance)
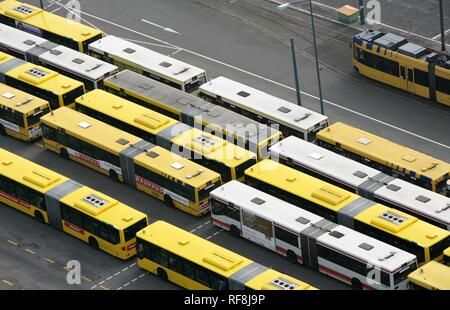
(357, 285)
(39, 217)
(93, 243)
(169, 201)
(64, 154)
(292, 257)
(2, 130)
(234, 231)
(162, 274)
(113, 175)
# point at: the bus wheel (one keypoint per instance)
(292, 257)
(63, 153)
(162, 274)
(39, 217)
(234, 231)
(169, 201)
(93, 243)
(357, 285)
(2, 130)
(113, 175)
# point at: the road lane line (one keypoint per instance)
(159, 26)
(105, 287)
(48, 260)
(7, 282)
(86, 279)
(271, 81)
(439, 35)
(30, 251)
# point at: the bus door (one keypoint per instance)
(407, 75)
(258, 230)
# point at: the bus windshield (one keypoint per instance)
(70, 97)
(36, 117)
(131, 231)
(402, 275)
(204, 193)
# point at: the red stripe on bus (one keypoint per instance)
(15, 200)
(341, 276)
(221, 224)
(73, 227)
(131, 246)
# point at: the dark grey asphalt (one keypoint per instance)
(250, 35)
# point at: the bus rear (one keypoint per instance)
(20, 113)
(431, 276)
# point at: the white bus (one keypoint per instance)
(363, 180)
(71, 63)
(303, 237)
(267, 109)
(165, 69)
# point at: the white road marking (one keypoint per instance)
(439, 35)
(159, 26)
(269, 80)
(56, 10)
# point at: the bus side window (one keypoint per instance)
(410, 75)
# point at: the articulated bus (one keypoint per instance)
(227, 159)
(309, 239)
(431, 276)
(194, 111)
(264, 108)
(159, 67)
(101, 221)
(363, 180)
(89, 70)
(168, 177)
(388, 157)
(20, 113)
(194, 263)
(391, 59)
(390, 225)
(57, 89)
(50, 26)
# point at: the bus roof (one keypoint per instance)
(196, 249)
(384, 151)
(149, 60)
(267, 281)
(155, 123)
(19, 40)
(297, 220)
(126, 111)
(152, 91)
(20, 101)
(303, 185)
(29, 173)
(355, 174)
(79, 63)
(115, 140)
(432, 275)
(4, 58)
(50, 22)
(334, 198)
(103, 207)
(43, 78)
(263, 104)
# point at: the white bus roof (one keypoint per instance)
(79, 63)
(341, 238)
(18, 40)
(353, 173)
(147, 59)
(261, 103)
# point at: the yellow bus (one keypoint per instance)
(194, 263)
(194, 111)
(389, 225)
(389, 157)
(391, 59)
(168, 177)
(50, 26)
(227, 159)
(101, 221)
(431, 276)
(57, 89)
(20, 113)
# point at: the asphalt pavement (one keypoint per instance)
(246, 40)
